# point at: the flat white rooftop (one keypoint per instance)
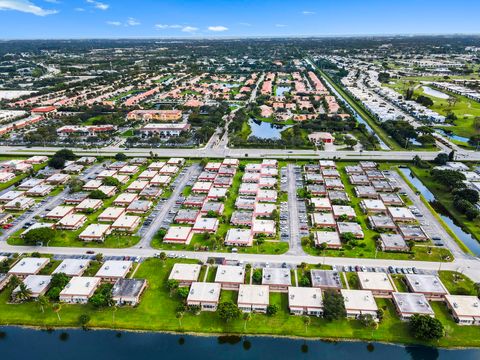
(230, 274)
(114, 269)
(72, 267)
(27, 266)
(305, 297)
(204, 292)
(359, 300)
(185, 272)
(253, 295)
(81, 286)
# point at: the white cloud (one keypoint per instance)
(165, 26)
(245, 24)
(132, 22)
(53, 1)
(280, 25)
(308, 12)
(79, 9)
(189, 29)
(114, 23)
(98, 5)
(217, 28)
(25, 6)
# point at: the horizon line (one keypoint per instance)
(246, 37)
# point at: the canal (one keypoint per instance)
(465, 237)
(21, 343)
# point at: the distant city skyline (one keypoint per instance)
(50, 19)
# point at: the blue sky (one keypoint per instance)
(22, 19)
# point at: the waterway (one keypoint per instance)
(266, 130)
(452, 136)
(357, 116)
(465, 237)
(20, 343)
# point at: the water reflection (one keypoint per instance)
(106, 345)
(265, 130)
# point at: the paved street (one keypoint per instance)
(190, 172)
(429, 223)
(293, 215)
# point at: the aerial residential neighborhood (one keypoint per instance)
(267, 174)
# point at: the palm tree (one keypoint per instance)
(42, 301)
(179, 316)
(23, 293)
(14, 282)
(306, 321)
(246, 317)
(56, 307)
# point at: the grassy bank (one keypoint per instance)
(157, 312)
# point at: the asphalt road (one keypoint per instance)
(293, 215)
(191, 171)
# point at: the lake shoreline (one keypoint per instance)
(239, 335)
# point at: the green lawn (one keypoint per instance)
(457, 283)
(157, 310)
(464, 108)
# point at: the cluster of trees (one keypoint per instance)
(39, 236)
(60, 157)
(403, 132)
(464, 199)
(424, 327)
(103, 296)
(424, 100)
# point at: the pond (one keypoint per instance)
(21, 343)
(435, 93)
(266, 130)
(281, 90)
(465, 237)
(452, 136)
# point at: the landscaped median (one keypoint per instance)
(157, 311)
